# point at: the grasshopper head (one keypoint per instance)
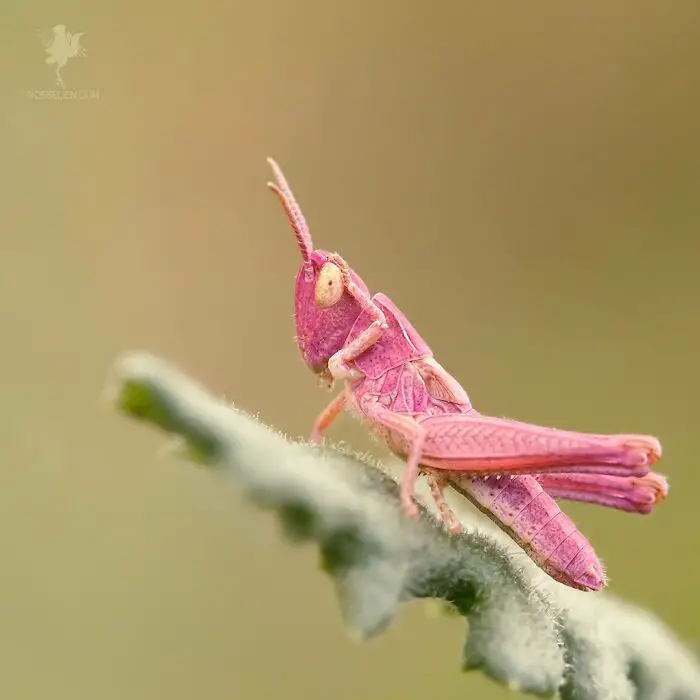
(324, 309)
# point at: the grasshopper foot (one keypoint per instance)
(409, 508)
(455, 528)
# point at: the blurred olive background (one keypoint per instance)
(521, 178)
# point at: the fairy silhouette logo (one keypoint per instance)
(60, 46)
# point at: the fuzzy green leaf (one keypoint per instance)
(525, 630)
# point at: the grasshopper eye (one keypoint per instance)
(329, 285)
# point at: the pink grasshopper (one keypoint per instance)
(512, 471)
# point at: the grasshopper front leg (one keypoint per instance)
(339, 364)
(329, 414)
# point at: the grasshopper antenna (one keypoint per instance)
(296, 218)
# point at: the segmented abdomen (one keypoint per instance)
(533, 519)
